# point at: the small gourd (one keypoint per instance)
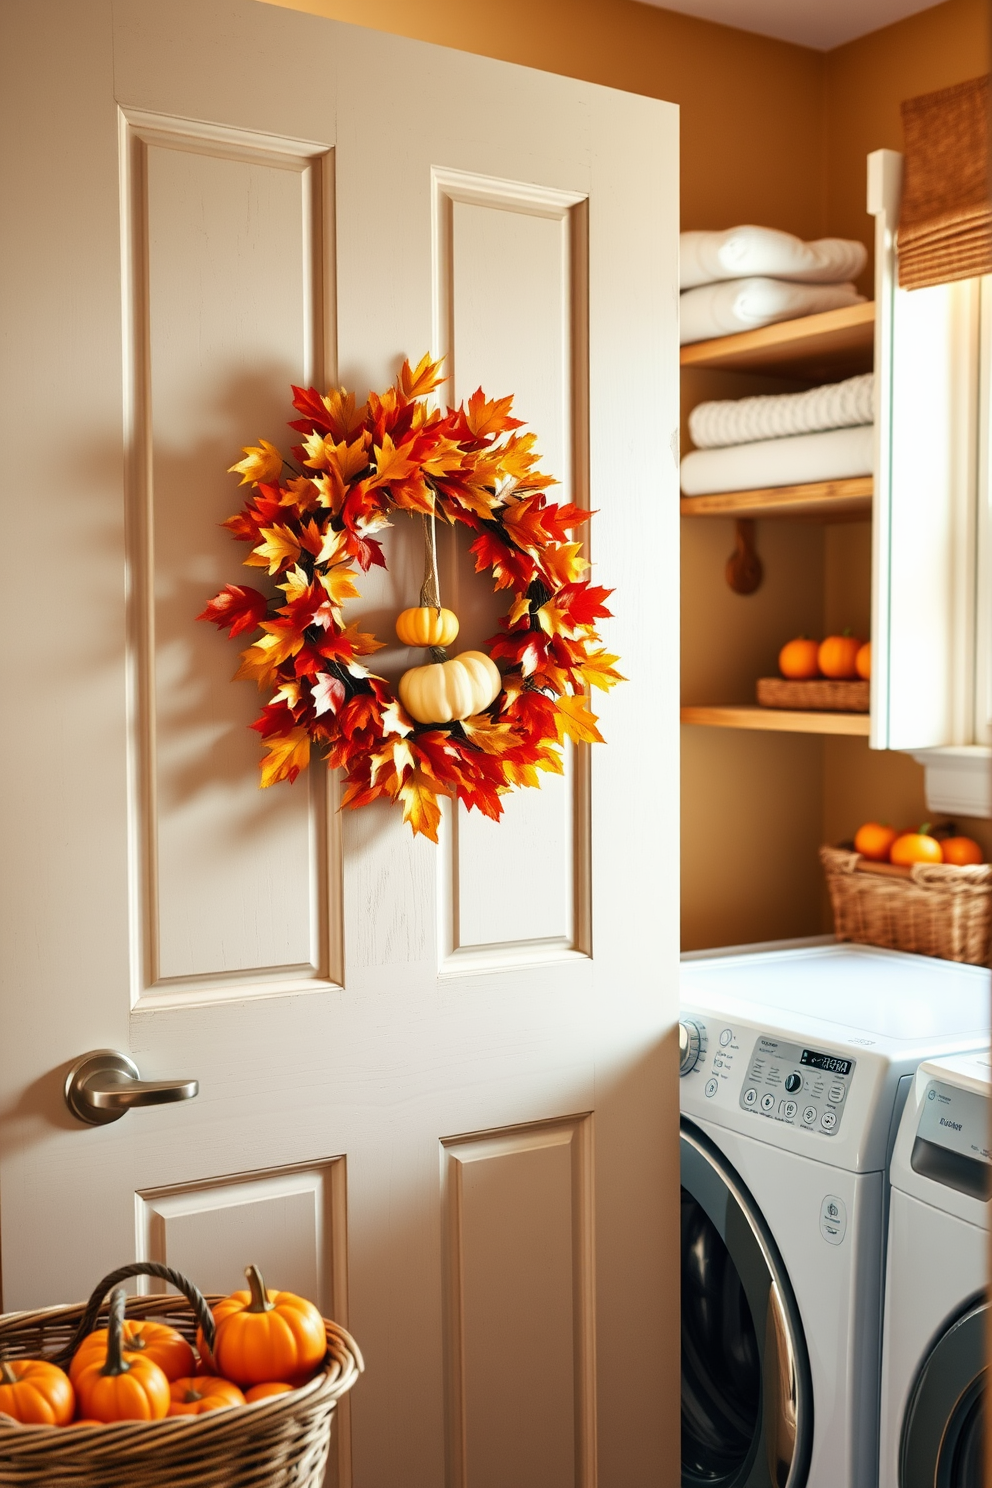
(449, 690)
(113, 1388)
(262, 1336)
(36, 1393)
(139, 1339)
(199, 1393)
(427, 626)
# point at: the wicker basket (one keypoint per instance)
(280, 1441)
(819, 695)
(933, 909)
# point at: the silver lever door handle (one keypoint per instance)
(103, 1085)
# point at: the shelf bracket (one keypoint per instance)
(744, 570)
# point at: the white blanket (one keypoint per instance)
(837, 405)
(741, 252)
(837, 454)
(746, 304)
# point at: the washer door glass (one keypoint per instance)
(943, 1435)
(747, 1409)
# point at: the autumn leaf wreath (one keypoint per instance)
(308, 530)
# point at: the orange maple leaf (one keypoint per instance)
(598, 669)
(288, 755)
(492, 416)
(575, 720)
(418, 795)
(424, 378)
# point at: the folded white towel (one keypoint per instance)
(837, 454)
(747, 304)
(837, 405)
(741, 252)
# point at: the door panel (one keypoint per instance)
(392, 1040)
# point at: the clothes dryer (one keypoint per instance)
(936, 1325)
(793, 1062)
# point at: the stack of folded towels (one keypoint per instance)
(786, 439)
(749, 277)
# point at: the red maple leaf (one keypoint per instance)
(236, 608)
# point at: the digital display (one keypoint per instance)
(828, 1062)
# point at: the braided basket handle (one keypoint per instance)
(182, 1284)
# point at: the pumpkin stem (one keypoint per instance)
(192, 1395)
(7, 1375)
(115, 1362)
(259, 1300)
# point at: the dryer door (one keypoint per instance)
(943, 1432)
(747, 1406)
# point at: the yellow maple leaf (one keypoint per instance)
(296, 583)
(339, 582)
(340, 404)
(390, 463)
(420, 808)
(492, 738)
(519, 608)
(574, 719)
(280, 547)
(598, 669)
(262, 462)
(333, 548)
(424, 378)
(288, 755)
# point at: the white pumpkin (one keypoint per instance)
(446, 690)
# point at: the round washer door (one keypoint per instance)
(747, 1397)
(943, 1434)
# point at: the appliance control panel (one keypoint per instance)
(802, 1086)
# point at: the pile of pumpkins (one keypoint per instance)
(880, 843)
(444, 691)
(266, 1343)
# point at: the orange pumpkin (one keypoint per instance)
(112, 1388)
(202, 1392)
(838, 656)
(962, 851)
(262, 1392)
(139, 1339)
(916, 847)
(427, 626)
(874, 840)
(82, 1421)
(798, 659)
(862, 662)
(264, 1336)
(36, 1393)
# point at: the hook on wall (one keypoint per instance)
(744, 570)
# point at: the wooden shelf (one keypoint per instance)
(817, 348)
(777, 720)
(821, 501)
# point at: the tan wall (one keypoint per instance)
(751, 107)
(864, 83)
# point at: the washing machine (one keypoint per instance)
(935, 1330)
(795, 1060)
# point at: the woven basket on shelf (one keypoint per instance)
(279, 1442)
(933, 909)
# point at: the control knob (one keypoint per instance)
(690, 1041)
(793, 1082)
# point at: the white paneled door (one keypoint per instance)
(437, 1084)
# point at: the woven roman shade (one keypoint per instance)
(945, 221)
